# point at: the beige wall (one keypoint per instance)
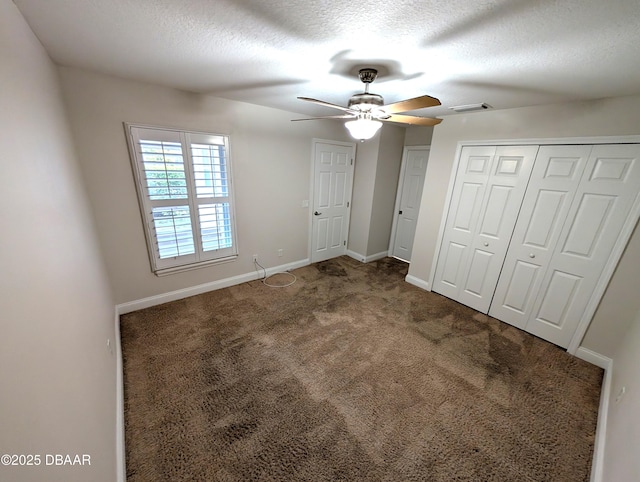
(57, 378)
(271, 159)
(418, 136)
(364, 180)
(623, 424)
(377, 168)
(620, 303)
(606, 117)
(385, 189)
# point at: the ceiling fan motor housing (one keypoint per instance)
(365, 102)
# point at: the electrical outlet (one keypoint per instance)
(255, 258)
(280, 252)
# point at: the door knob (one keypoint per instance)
(486, 244)
(531, 255)
(317, 213)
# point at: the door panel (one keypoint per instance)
(333, 177)
(494, 214)
(559, 295)
(414, 170)
(505, 188)
(324, 189)
(340, 190)
(584, 232)
(476, 281)
(520, 286)
(466, 210)
(322, 234)
(554, 180)
(544, 218)
(404, 240)
(452, 263)
(484, 206)
(601, 206)
(337, 234)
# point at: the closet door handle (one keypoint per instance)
(317, 213)
(531, 255)
(486, 244)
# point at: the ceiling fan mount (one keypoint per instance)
(367, 75)
(367, 110)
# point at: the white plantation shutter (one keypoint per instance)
(184, 188)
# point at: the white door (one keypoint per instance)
(552, 187)
(333, 180)
(604, 198)
(414, 166)
(486, 199)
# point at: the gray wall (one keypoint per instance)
(364, 180)
(623, 424)
(385, 189)
(378, 162)
(57, 377)
(418, 136)
(271, 158)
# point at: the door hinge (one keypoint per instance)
(348, 203)
(352, 162)
(400, 212)
(344, 243)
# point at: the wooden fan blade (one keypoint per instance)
(412, 119)
(326, 104)
(411, 104)
(345, 116)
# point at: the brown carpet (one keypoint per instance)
(350, 374)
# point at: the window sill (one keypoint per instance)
(192, 266)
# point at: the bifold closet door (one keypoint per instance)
(552, 187)
(564, 237)
(486, 198)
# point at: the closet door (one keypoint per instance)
(552, 187)
(487, 195)
(602, 203)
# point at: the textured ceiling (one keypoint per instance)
(507, 53)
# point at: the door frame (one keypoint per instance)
(616, 252)
(399, 190)
(311, 201)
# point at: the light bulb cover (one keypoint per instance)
(363, 129)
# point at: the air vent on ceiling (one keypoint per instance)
(470, 107)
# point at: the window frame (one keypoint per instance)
(193, 201)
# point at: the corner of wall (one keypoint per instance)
(597, 464)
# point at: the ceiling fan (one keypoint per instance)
(368, 110)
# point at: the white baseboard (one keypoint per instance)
(121, 469)
(597, 465)
(203, 288)
(356, 256)
(420, 283)
(594, 358)
(377, 256)
(367, 259)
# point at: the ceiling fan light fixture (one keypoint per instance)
(363, 128)
(368, 110)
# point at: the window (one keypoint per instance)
(184, 183)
